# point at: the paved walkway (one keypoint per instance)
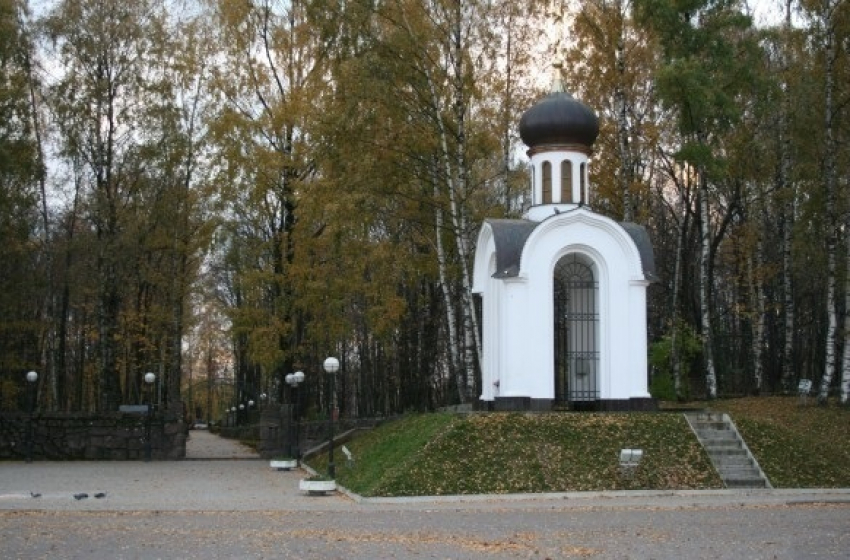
(224, 475)
(221, 475)
(204, 445)
(185, 509)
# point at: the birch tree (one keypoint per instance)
(833, 24)
(788, 196)
(708, 61)
(827, 29)
(426, 49)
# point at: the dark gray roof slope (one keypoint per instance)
(510, 237)
(647, 254)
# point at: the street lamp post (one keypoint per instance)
(32, 377)
(331, 366)
(233, 419)
(149, 381)
(293, 380)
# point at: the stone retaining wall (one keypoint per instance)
(76, 436)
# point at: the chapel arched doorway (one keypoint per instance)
(575, 292)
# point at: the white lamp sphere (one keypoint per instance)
(331, 365)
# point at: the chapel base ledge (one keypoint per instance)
(529, 404)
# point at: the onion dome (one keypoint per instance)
(559, 120)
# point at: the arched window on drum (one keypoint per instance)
(566, 181)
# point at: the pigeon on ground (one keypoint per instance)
(81, 496)
(100, 495)
(35, 494)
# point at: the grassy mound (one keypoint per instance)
(442, 454)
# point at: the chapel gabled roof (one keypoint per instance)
(510, 237)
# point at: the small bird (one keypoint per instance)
(81, 496)
(35, 494)
(100, 495)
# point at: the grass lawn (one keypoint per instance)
(445, 454)
(797, 446)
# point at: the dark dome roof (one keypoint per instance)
(559, 119)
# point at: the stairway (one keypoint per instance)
(728, 451)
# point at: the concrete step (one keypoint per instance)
(744, 480)
(722, 444)
(708, 417)
(699, 426)
(738, 470)
(717, 434)
(740, 460)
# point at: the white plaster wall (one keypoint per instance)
(513, 373)
(488, 287)
(518, 321)
(622, 369)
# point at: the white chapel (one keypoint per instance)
(563, 290)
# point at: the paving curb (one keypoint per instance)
(751, 494)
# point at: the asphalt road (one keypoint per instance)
(214, 508)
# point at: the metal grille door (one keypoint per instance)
(576, 321)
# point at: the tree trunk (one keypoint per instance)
(705, 289)
(459, 189)
(625, 176)
(442, 265)
(844, 395)
(757, 312)
(787, 188)
(831, 210)
(675, 359)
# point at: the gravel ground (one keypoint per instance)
(214, 508)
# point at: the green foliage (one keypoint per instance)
(511, 452)
(688, 346)
(710, 59)
(662, 387)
